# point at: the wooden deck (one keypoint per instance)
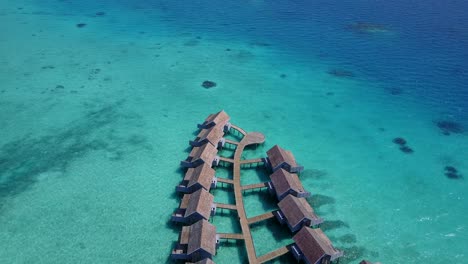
(273, 254)
(260, 218)
(230, 236)
(255, 186)
(226, 206)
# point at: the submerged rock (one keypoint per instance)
(406, 149)
(208, 84)
(452, 173)
(451, 169)
(399, 141)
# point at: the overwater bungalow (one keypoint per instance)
(296, 213)
(313, 247)
(281, 158)
(197, 242)
(194, 207)
(196, 178)
(283, 183)
(220, 119)
(200, 155)
(213, 135)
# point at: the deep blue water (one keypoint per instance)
(424, 54)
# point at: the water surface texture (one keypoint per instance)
(98, 100)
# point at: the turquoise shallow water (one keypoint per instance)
(95, 119)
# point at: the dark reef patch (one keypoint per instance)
(355, 253)
(403, 146)
(451, 169)
(313, 173)
(399, 141)
(341, 73)
(406, 149)
(208, 84)
(348, 238)
(22, 160)
(333, 224)
(260, 44)
(450, 127)
(452, 173)
(319, 200)
(93, 74)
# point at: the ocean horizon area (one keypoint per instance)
(99, 99)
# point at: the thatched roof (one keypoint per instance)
(199, 202)
(220, 118)
(202, 174)
(207, 153)
(212, 134)
(279, 156)
(284, 181)
(202, 236)
(295, 210)
(314, 245)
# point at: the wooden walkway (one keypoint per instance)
(223, 180)
(251, 161)
(248, 139)
(226, 160)
(230, 236)
(260, 218)
(255, 186)
(226, 206)
(253, 138)
(273, 254)
(239, 129)
(231, 142)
